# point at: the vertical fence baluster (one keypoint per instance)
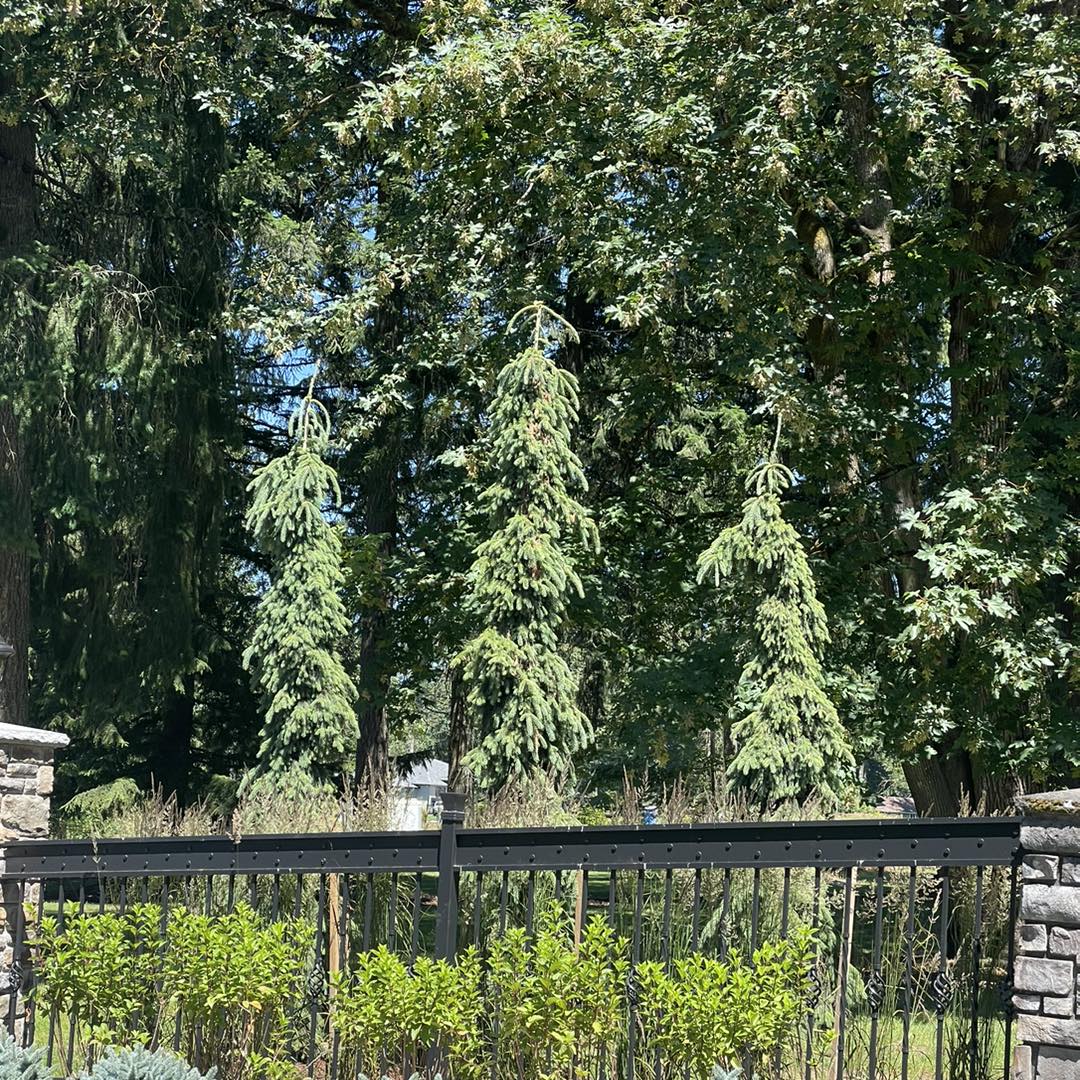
(391, 929)
(976, 973)
(31, 1019)
(478, 909)
(725, 913)
(635, 960)
(909, 977)
(342, 962)
(504, 886)
(369, 904)
(15, 974)
(315, 987)
(53, 1016)
(941, 980)
(665, 931)
(785, 900)
(414, 939)
(875, 989)
(695, 912)
(530, 900)
(755, 909)
(845, 962)
(815, 974)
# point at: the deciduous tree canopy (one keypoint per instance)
(860, 216)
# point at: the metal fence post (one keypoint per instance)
(446, 919)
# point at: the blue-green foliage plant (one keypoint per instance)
(22, 1063)
(139, 1063)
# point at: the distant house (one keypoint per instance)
(897, 806)
(418, 793)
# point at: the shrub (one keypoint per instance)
(706, 1012)
(142, 1064)
(230, 981)
(560, 1009)
(17, 1063)
(102, 970)
(389, 1016)
(234, 980)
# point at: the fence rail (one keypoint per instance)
(915, 918)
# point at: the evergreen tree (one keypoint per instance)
(787, 734)
(521, 690)
(310, 724)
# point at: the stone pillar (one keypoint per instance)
(26, 783)
(1047, 969)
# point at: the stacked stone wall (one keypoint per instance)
(1046, 981)
(26, 785)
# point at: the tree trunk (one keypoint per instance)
(380, 523)
(173, 770)
(17, 233)
(458, 778)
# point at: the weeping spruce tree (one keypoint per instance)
(310, 730)
(520, 689)
(787, 736)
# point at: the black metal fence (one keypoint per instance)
(914, 919)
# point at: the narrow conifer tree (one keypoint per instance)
(310, 724)
(520, 689)
(787, 736)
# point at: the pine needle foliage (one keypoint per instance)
(787, 734)
(519, 687)
(139, 1063)
(310, 724)
(19, 1063)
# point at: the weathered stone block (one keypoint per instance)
(28, 771)
(1058, 1064)
(12, 785)
(1039, 975)
(1060, 1006)
(1041, 868)
(1048, 1031)
(1051, 839)
(1033, 938)
(1050, 904)
(1027, 1003)
(45, 780)
(25, 814)
(1064, 942)
(1070, 871)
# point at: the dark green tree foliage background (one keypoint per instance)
(861, 216)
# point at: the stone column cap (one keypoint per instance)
(32, 736)
(1047, 803)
